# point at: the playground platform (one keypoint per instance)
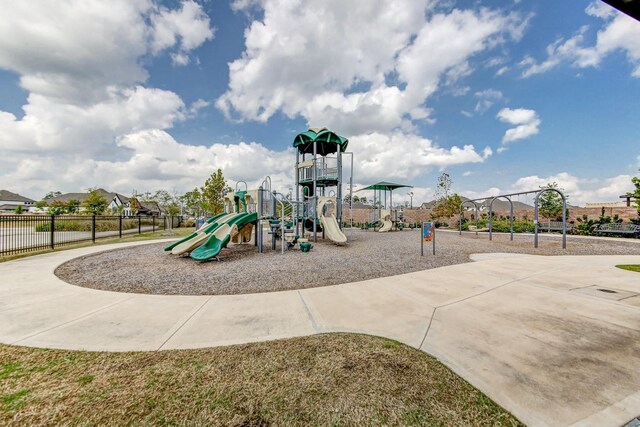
(554, 340)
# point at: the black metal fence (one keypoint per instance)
(25, 233)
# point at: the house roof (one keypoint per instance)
(81, 196)
(13, 197)
(150, 205)
(9, 207)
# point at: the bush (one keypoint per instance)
(502, 225)
(85, 225)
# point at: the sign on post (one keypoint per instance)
(428, 235)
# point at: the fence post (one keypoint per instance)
(93, 228)
(52, 231)
(120, 227)
(153, 224)
(139, 224)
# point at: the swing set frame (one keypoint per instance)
(508, 197)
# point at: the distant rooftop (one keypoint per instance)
(8, 196)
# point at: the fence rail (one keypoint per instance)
(26, 233)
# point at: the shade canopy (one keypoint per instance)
(386, 186)
(327, 142)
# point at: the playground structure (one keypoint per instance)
(317, 207)
(384, 216)
(292, 221)
(508, 197)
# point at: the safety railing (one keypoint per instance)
(326, 168)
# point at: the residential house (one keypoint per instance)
(10, 201)
(148, 208)
(116, 202)
(428, 205)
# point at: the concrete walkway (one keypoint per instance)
(554, 340)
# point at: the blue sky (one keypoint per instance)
(142, 95)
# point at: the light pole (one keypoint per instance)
(410, 194)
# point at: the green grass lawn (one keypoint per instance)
(160, 234)
(630, 267)
(330, 379)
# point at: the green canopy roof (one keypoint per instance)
(327, 142)
(384, 185)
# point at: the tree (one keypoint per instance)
(636, 195)
(167, 201)
(73, 206)
(550, 203)
(447, 204)
(51, 195)
(443, 188)
(58, 207)
(193, 203)
(18, 210)
(133, 204)
(95, 202)
(213, 193)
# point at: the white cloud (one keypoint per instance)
(468, 173)
(189, 24)
(78, 48)
(619, 33)
(420, 195)
(84, 73)
(486, 100)
(90, 119)
(526, 122)
(154, 160)
(50, 127)
(374, 88)
(401, 156)
(502, 70)
(198, 105)
(387, 46)
(460, 91)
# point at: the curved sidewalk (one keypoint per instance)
(555, 340)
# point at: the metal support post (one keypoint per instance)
(315, 191)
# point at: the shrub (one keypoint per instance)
(502, 226)
(85, 225)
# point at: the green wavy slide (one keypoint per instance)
(206, 227)
(220, 238)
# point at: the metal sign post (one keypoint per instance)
(428, 235)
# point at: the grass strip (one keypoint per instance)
(630, 267)
(329, 379)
